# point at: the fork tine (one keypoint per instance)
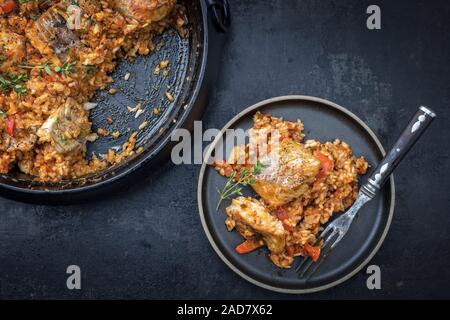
(306, 268)
(339, 238)
(310, 262)
(325, 231)
(319, 263)
(301, 263)
(307, 257)
(327, 252)
(297, 269)
(328, 239)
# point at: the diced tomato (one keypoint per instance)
(48, 77)
(282, 213)
(120, 23)
(313, 252)
(248, 246)
(286, 226)
(327, 164)
(9, 52)
(10, 125)
(8, 6)
(4, 165)
(290, 250)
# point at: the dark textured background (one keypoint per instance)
(147, 242)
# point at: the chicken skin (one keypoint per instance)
(144, 12)
(252, 219)
(289, 173)
(12, 49)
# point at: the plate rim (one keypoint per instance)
(200, 198)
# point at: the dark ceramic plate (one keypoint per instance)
(325, 121)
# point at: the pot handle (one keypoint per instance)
(220, 14)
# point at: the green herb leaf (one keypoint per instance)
(13, 82)
(47, 70)
(233, 186)
(258, 167)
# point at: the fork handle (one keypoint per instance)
(416, 127)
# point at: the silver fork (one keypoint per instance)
(338, 228)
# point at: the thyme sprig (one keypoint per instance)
(14, 82)
(234, 186)
(64, 69)
(48, 68)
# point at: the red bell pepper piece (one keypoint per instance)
(327, 164)
(282, 213)
(10, 125)
(248, 246)
(8, 6)
(313, 252)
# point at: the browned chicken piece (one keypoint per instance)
(67, 128)
(54, 37)
(252, 219)
(12, 49)
(44, 4)
(51, 36)
(289, 173)
(145, 12)
(34, 6)
(23, 140)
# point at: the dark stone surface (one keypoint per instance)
(147, 242)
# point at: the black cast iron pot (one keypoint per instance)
(194, 65)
